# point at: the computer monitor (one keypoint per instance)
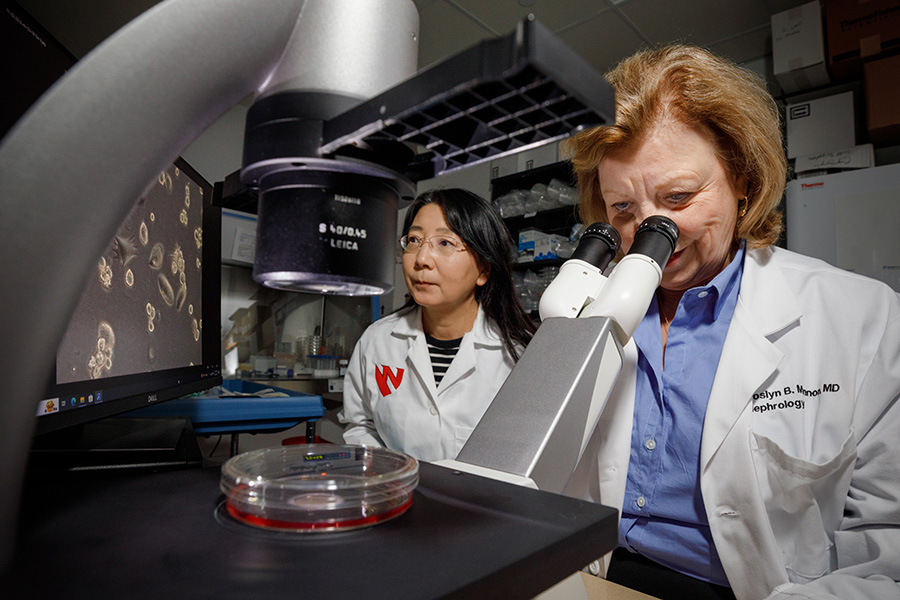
(137, 336)
(146, 328)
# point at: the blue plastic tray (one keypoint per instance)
(240, 414)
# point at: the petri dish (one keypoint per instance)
(318, 487)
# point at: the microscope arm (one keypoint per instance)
(540, 421)
(538, 424)
(71, 169)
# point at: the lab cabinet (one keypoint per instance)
(848, 219)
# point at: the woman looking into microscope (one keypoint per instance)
(750, 441)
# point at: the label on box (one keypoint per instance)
(527, 238)
(857, 157)
(546, 248)
(797, 38)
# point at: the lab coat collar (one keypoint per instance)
(775, 306)
(766, 306)
(409, 326)
(483, 333)
(727, 280)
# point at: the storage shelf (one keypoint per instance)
(556, 220)
(523, 181)
(536, 265)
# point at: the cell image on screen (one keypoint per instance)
(140, 310)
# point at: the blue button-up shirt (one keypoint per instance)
(663, 516)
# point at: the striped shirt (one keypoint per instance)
(442, 353)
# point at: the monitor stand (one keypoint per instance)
(119, 443)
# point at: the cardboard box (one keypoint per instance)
(528, 236)
(527, 239)
(882, 84)
(820, 125)
(798, 48)
(858, 31)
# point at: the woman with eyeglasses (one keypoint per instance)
(420, 379)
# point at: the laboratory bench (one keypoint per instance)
(166, 534)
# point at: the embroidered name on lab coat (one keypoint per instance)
(791, 397)
(384, 375)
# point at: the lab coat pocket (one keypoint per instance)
(804, 502)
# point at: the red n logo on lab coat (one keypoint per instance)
(384, 374)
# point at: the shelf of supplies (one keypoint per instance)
(536, 265)
(555, 220)
(524, 180)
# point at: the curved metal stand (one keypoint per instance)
(73, 166)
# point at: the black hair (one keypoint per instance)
(473, 219)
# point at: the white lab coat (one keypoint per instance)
(409, 412)
(802, 502)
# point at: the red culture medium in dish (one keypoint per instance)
(318, 487)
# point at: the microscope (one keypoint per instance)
(340, 127)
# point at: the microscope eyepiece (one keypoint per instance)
(598, 245)
(657, 238)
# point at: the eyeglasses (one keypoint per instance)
(442, 245)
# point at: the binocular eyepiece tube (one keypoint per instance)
(581, 289)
